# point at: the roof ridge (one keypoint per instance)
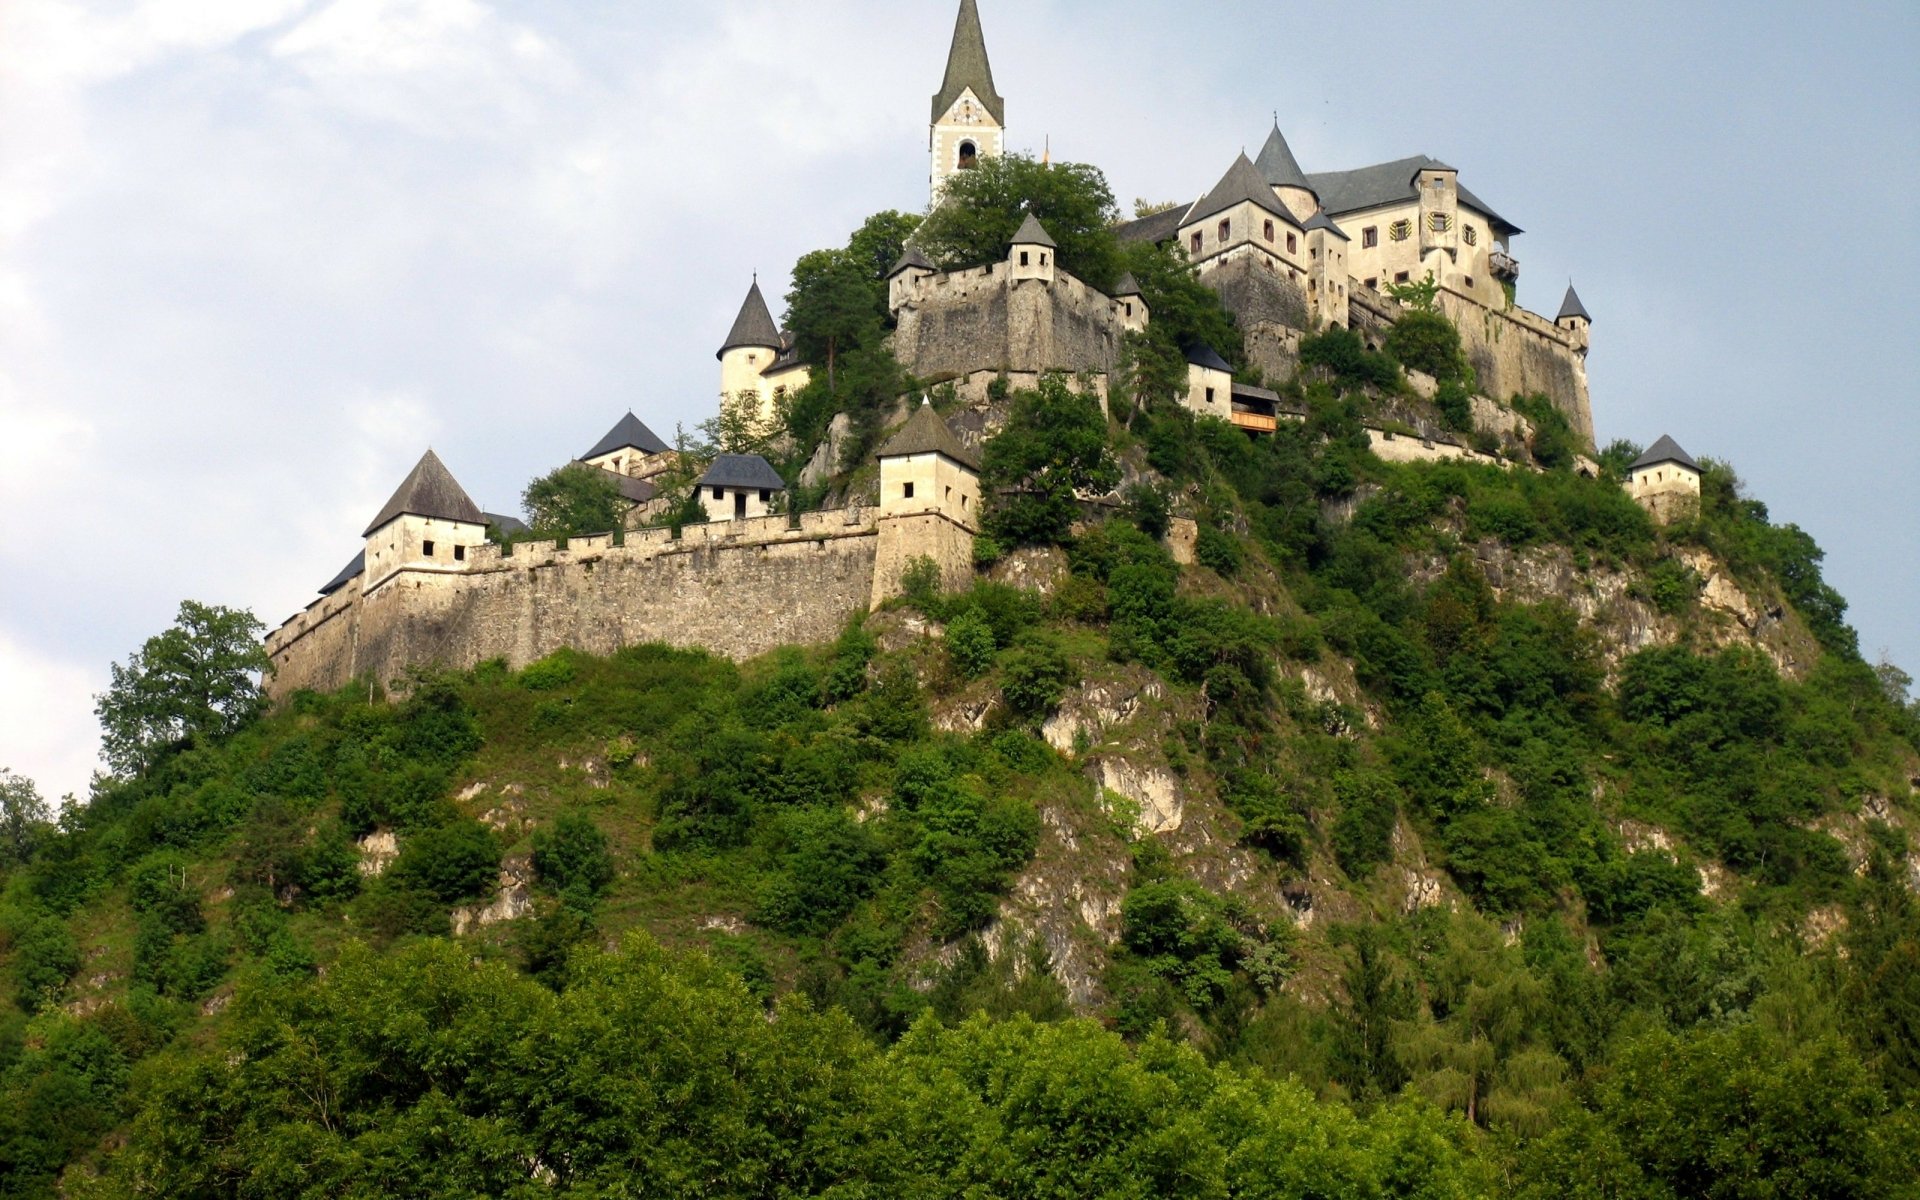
(1242, 183)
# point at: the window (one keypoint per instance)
(1023, 258)
(1471, 235)
(1267, 229)
(1399, 276)
(719, 493)
(1469, 280)
(1226, 230)
(1128, 305)
(1043, 260)
(969, 156)
(1439, 222)
(949, 495)
(1370, 236)
(766, 494)
(1193, 244)
(1400, 230)
(459, 554)
(1293, 246)
(906, 491)
(426, 548)
(1209, 395)
(1373, 283)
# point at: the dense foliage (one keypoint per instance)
(575, 499)
(198, 680)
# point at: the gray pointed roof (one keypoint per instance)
(911, 256)
(1206, 356)
(1320, 220)
(347, 574)
(742, 471)
(1277, 164)
(507, 523)
(1663, 451)
(967, 67)
(628, 432)
(1391, 183)
(1571, 307)
(1033, 233)
(429, 490)
(926, 433)
(1128, 286)
(1242, 182)
(754, 326)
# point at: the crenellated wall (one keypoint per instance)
(1516, 352)
(980, 318)
(738, 588)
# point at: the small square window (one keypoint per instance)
(426, 548)
(1370, 236)
(1399, 276)
(719, 493)
(766, 494)
(459, 554)
(906, 491)
(1373, 283)
(1469, 281)
(1193, 243)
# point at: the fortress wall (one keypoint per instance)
(1257, 295)
(905, 538)
(1399, 447)
(1274, 348)
(1515, 351)
(738, 592)
(966, 321)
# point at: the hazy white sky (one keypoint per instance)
(256, 255)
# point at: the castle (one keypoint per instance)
(1288, 252)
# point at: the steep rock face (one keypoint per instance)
(1609, 600)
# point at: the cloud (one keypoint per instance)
(45, 736)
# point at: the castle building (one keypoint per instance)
(929, 503)
(758, 363)
(1665, 480)
(425, 529)
(969, 117)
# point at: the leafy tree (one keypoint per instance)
(574, 500)
(1053, 448)
(25, 818)
(831, 308)
(970, 642)
(455, 862)
(571, 858)
(197, 682)
(983, 208)
(1423, 340)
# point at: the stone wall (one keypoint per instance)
(1516, 352)
(977, 319)
(739, 589)
(1255, 294)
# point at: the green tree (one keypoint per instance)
(198, 681)
(831, 308)
(1054, 447)
(983, 208)
(575, 499)
(24, 818)
(571, 858)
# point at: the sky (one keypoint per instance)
(257, 255)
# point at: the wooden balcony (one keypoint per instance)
(1503, 265)
(1254, 422)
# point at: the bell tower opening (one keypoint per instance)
(969, 156)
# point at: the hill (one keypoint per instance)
(1388, 830)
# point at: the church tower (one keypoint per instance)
(969, 117)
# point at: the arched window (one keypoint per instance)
(969, 156)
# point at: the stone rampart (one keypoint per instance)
(738, 588)
(976, 319)
(1516, 352)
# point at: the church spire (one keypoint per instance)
(967, 67)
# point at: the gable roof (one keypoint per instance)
(628, 432)
(347, 574)
(967, 67)
(1664, 451)
(926, 433)
(1155, 227)
(754, 326)
(429, 490)
(1571, 307)
(1390, 183)
(1206, 356)
(742, 471)
(1033, 233)
(1242, 183)
(1277, 164)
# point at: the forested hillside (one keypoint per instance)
(1265, 820)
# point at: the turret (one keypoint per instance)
(1032, 252)
(751, 346)
(903, 282)
(1209, 383)
(929, 504)
(1283, 174)
(1132, 305)
(738, 487)
(1665, 480)
(629, 448)
(427, 527)
(969, 117)
(1574, 319)
(1439, 188)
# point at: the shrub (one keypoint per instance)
(1363, 832)
(970, 643)
(1180, 931)
(920, 582)
(571, 858)
(1036, 675)
(1148, 509)
(45, 956)
(455, 862)
(1218, 550)
(1427, 342)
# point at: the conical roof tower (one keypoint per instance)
(429, 490)
(754, 326)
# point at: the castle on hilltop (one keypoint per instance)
(1288, 252)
